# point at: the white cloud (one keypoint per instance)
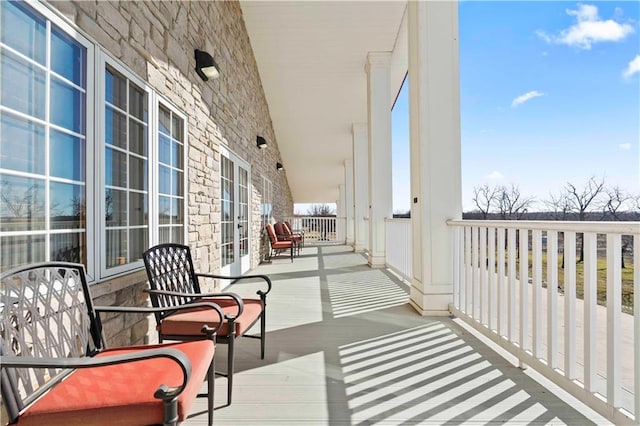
(633, 67)
(588, 29)
(526, 97)
(624, 146)
(495, 175)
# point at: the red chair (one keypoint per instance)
(278, 246)
(174, 283)
(297, 234)
(56, 369)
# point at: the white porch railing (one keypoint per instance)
(534, 311)
(398, 246)
(320, 228)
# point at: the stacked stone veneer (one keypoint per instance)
(156, 41)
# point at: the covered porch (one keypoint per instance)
(345, 347)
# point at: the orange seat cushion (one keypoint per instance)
(189, 322)
(121, 394)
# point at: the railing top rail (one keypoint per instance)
(555, 225)
(397, 219)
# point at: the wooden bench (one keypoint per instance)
(56, 369)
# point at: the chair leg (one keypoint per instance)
(230, 356)
(263, 329)
(292, 252)
(211, 376)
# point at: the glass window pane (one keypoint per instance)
(22, 145)
(137, 173)
(139, 243)
(164, 235)
(22, 207)
(164, 180)
(177, 155)
(116, 207)
(137, 102)
(164, 153)
(226, 211)
(67, 157)
(176, 181)
(67, 106)
(115, 128)
(164, 210)
(21, 250)
(69, 247)
(116, 168)
(178, 210)
(176, 130)
(68, 57)
(164, 121)
(137, 209)
(67, 206)
(116, 248)
(23, 30)
(27, 83)
(115, 88)
(137, 137)
(177, 234)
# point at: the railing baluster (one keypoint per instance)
(474, 267)
(590, 311)
(552, 299)
(456, 267)
(636, 326)
(569, 305)
(536, 282)
(468, 270)
(482, 270)
(614, 310)
(511, 247)
(502, 311)
(523, 234)
(493, 314)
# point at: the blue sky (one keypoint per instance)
(550, 93)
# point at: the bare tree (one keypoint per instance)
(580, 200)
(484, 198)
(511, 204)
(614, 202)
(320, 210)
(558, 205)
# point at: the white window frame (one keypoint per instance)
(97, 59)
(90, 230)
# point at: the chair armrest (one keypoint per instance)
(131, 309)
(235, 297)
(241, 277)
(163, 391)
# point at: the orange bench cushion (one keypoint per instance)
(121, 394)
(189, 322)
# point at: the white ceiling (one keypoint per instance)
(311, 57)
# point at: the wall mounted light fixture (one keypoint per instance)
(261, 142)
(206, 67)
(279, 166)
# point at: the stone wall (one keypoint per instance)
(156, 41)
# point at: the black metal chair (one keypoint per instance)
(173, 282)
(56, 370)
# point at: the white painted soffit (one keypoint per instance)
(311, 57)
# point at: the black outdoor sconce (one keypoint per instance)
(206, 67)
(279, 166)
(261, 142)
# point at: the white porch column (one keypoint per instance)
(340, 214)
(349, 202)
(360, 186)
(379, 118)
(434, 110)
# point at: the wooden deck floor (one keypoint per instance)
(345, 348)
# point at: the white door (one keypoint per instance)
(235, 219)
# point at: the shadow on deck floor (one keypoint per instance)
(345, 348)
